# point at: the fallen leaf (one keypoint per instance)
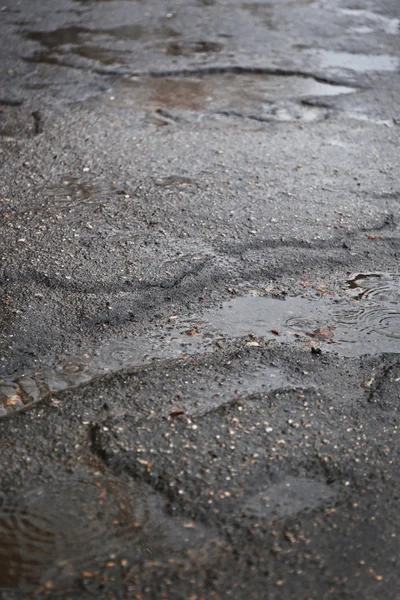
(177, 412)
(146, 463)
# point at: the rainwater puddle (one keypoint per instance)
(371, 21)
(72, 36)
(366, 323)
(218, 92)
(371, 326)
(362, 63)
(94, 45)
(56, 537)
(288, 498)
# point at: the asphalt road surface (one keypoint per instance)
(200, 299)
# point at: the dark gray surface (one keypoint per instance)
(170, 173)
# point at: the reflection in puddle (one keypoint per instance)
(218, 92)
(361, 63)
(371, 325)
(53, 537)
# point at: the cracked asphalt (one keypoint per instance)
(200, 292)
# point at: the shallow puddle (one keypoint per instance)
(55, 537)
(94, 44)
(366, 323)
(362, 63)
(218, 92)
(71, 36)
(371, 326)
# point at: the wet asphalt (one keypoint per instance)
(200, 292)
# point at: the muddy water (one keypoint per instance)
(53, 537)
(217, 92)
(366, 323)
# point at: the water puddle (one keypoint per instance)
(366, 323)
(218, 92)
(72, 36)
(84, 532)
(371, 21)
(370, 327)
(362, 63)
(288, 498)
(94, 45)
